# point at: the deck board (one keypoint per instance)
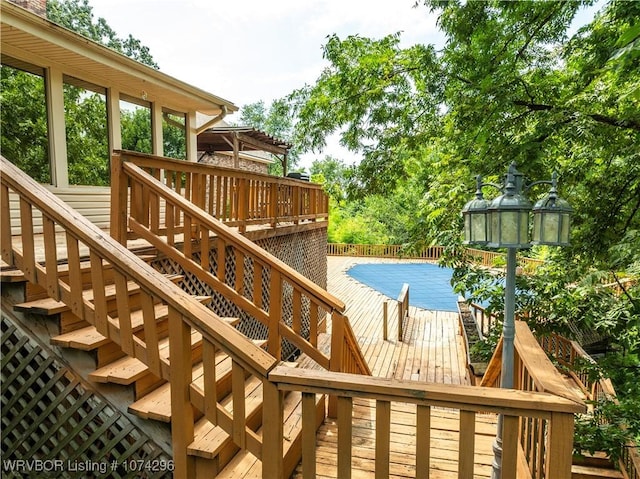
(432, 350)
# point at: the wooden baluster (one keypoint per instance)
(210, 389)
(274, 344)
(273, 204)
(313, 323)
(345, 434)
(225, 199)
(273, 430)
(51, 257)
(182, 414)
(559, 446)
(5, 226)
(509, 445)
(257, 284)
(243, 204)
(297, 204)
(221, 259)
(124, 313)
(205, 245)
(189, 193)
(187, 239)
(145, 207)
(119, 193)
(423, 441)
(154, 205)
(28, 245)
(239, 413)
(296, 321)
(466, 445)
(211, 192)
(308, 435)
(170, 224)
(137, 209)
(99, 297)
(219, 199)
(151, 334)
(75, 276)
(239, 286)
(383, 435)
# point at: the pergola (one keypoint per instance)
(242, 138)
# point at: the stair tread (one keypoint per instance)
(88, 338)
(244, 464)
(584, 472)
(49, 306)
(122, 371)
(157, 403)
(85, 339)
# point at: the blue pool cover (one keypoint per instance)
(429, 284)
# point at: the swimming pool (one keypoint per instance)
(429, 284)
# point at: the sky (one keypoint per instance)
(250, 50)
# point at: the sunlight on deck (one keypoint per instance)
(431, 351)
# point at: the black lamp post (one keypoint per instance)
(504, 223)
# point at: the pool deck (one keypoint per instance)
(432, 348)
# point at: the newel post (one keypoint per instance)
(559, 446)
(119, 191)
(337, 353)
(182, 414)
(272, 430)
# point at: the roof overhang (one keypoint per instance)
(223, 138)
(29, 38)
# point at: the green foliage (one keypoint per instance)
(277, 121)
(23, 123)
(77, 15)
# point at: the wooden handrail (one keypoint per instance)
(184, 312)
(241, 242)
(555, 414)
(202, 225)
(236, 197)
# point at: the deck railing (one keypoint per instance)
(533, 371)
(553, 414)
(488, 259)
(192, 396)
(186, 316)
(569, 354)
(235, 197)
(256, 271)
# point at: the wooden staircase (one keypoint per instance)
(213, 448)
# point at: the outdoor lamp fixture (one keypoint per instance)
(504, 223)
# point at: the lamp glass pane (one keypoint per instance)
(467, 227)
(509, 227)
(566, 219)
(495, 226)
(478, 227)
(551, 227)
(523, 237)
(536, 226)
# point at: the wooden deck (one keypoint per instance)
(432, 351)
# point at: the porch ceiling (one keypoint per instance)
(30, 38)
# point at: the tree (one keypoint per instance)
(510, 84)
(24, 120)
(277, 121)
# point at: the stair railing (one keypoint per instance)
(255, 270)
(236, 197)
(551, 413)
(533, 371)
(568, 353)
(186, 315)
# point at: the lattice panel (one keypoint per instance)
(305, 252)
(50, 420)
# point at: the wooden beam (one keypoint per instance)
(191, 131)
(157, 139)
(113, 120)
(56, 127)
